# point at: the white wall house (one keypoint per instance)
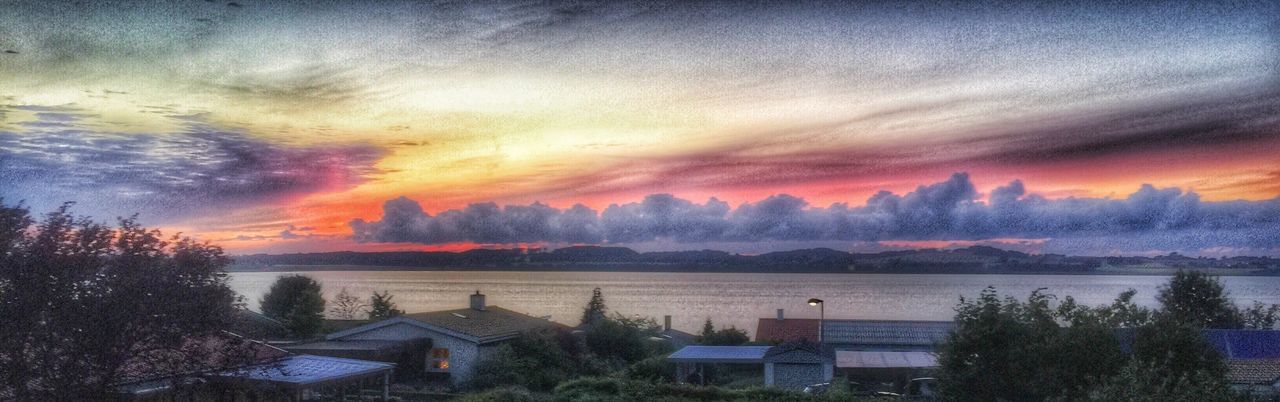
(459, 338)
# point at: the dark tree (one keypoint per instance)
(595, 310)
(381, 307)
(81, 300)
(296, 301)
(1196, 299)
(731, 336)
(621, 338)
(1260, 316)
(1014, 350)
(345, 306)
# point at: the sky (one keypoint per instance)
(1106, 128)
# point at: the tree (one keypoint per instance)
(534, 360)
(296, 301)
(1260, 316)
(1014, 350)
(621, 338)
(731, 336)
(346, 306)
(381, 307)
(81, 300)
(1196, 299)
(595, 310)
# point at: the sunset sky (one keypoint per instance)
(1096, 129)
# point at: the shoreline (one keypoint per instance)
(598, 269)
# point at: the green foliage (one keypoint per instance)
(1141, 381)
(534, 360)
(79, 299)
(1013, 350)
(621, 338)
(1198, 300)
(731, 336)
(296, 301)
(595, 310)
(1176, 350)
(653, 369)
(1260, 316)
(618, 390)
(503, 394)
(381, 307)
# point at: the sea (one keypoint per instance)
(728, 299)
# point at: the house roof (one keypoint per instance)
(886, 332)
(719, 354)
(863, 332)
(1245, 343)
(787, 330)
(1253, 371)
(800, 352)
(480, 326)
(375, 346)
(869, 359)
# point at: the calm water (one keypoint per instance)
(728, 299)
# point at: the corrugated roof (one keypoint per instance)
(307, 369)
(886, 332)
(720, 354)
(1253, 371)
(865, 359)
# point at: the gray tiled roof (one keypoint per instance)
(1253, 371)
(886, 332)
(488, 323)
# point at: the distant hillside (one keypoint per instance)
(976, 259)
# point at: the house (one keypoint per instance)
(448, 342)
(792, 365)
(868, 351)
(865, 335)
(676, 338)
(795, 365)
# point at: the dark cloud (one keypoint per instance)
(166, 174)
(1167, 219)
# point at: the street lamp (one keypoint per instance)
(822, 316)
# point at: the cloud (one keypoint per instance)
(1150, 219)
(166, 174)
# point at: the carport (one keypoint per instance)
(690, 359)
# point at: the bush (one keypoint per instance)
(504, 394)
(534, 360)
(653, 369)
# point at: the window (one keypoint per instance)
(438, 360)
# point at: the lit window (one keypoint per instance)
(438, 360)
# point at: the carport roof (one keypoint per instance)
(720, 354)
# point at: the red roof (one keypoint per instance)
(787, 330)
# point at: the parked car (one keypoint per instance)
(924, 389)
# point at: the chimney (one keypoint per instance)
(477, 301)
(666, 323)
(779, 314)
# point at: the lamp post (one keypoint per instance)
(822, 316)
